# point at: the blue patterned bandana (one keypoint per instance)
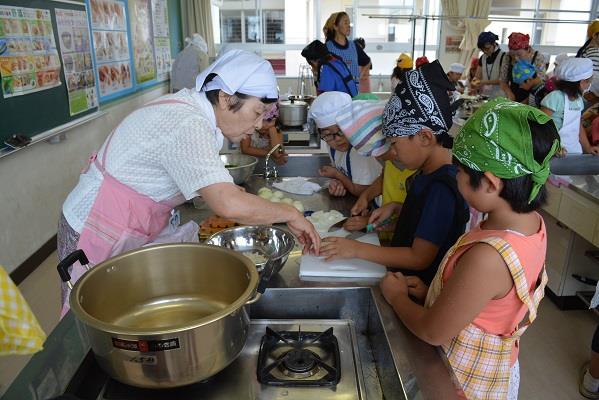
(419, 102)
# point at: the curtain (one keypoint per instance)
(451, 9)
(478, 9)
(196, 17)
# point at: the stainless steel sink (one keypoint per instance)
(381, 379)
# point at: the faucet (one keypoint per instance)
(271, 172)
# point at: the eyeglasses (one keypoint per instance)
(330, 136)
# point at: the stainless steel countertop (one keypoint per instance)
(585, 185)
(419, 365)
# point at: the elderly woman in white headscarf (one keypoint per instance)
(168, 151)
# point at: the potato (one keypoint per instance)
(264, 190)
(298, 204)
(287, 200)
(265, 195)
(274, 199)
(278, 193)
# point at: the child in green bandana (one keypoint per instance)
(475, 306)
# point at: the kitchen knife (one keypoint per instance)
(357, 234)
(338, 225)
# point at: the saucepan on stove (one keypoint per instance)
(166, 315)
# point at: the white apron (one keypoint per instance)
(570, 131)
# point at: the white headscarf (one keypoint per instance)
(239, 71)
(325, 107)
(574, 69)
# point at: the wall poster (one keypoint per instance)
(29, 59)
(162, 45)
(111, 45)
(75, 51)
(143, 40)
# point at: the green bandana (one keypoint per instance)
(497, 139)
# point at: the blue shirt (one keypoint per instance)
(439, 209)
(329, 80)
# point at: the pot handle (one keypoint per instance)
(63, 266)
(267, 273)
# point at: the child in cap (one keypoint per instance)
(404, 64)
(565, 104)
(420, 61)
(416, 121)
(361, 123)
(454, 74)
(350, 171)
(265, 138)
(475, 307)
(525, 75)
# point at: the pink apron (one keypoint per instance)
(121, 219)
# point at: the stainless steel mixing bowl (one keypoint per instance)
(255, 241)
(240, 166)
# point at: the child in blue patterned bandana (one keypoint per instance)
(416, 120)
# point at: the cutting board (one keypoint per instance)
(311, 266)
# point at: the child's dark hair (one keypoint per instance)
(517, 190)
(443, 139)
(400, 73)
(572, 89)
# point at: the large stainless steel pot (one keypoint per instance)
(165, 315)
(293, 112)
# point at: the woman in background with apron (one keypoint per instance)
(488, 73)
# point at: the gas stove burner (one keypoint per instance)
(299, 358)
(299, 363)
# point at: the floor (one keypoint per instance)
(553, 348)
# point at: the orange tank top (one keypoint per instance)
(502, 316)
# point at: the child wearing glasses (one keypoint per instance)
(265, 138)
(350, 171)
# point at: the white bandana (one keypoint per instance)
(574, 69)
(239, 71)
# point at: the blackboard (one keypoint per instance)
(34, 113)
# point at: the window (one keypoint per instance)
(274, 26)
(230, 26)
(554, 24)
(279, 29)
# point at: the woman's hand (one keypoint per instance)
(382, 213)
(393, 286)
(356, 223)
(416, 288)
(336, 188)
(594, 150)
(328, 171)
(336, 248)
(305, 233)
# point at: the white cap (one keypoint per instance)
(574, 69)
(324, 108)
(457, 68)
(560, 58)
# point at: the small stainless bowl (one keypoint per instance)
(240, 166)
(269, 241)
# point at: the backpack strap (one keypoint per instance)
(345, 79)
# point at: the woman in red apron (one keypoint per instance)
(166, 152)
